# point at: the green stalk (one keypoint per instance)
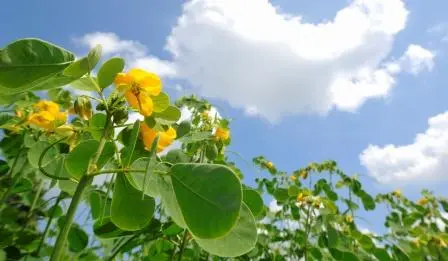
(84, 182)
(15, 179)
(47, 227)
(182, 245)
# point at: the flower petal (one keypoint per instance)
(132, 100)
(146, 105)
(151, 84)
(148, 135)
(48, 106)
(139, 74)
(123, 79)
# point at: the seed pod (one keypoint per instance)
(83, 108)
(120, 116)
(65, 130)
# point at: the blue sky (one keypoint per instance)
(291, 136)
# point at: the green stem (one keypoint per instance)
(118, 249)
(84, 182)
(63, 234)
(47, 227)
(307, 231)
(182, 245)
(33, 205)
(15, 179)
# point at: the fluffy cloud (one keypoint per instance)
(134, 52)
(275, 64)
(426, 158)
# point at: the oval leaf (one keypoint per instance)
(209, 197)
(29, 63)
(78, 160)
(138, 178)
(129, 211)
(84, 65)
(161, 102)
(106, 74)
(168, 198)
(240, 240)
(253, 200)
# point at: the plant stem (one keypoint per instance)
(182, 245)
(63, 234)
(118, 249)
(47, 227)
(84, 182)
(14, 180)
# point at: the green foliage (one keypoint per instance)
(182, 203)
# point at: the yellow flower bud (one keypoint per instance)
(397, 193)
(270, 165)
(348, 219)
(293, 178)
(83, 108)
(65, 130)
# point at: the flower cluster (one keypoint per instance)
(47, 115)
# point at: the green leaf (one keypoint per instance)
(131, 144)
(315, 252)
(183, 129)
(36, 151)
(253, 200)
(177, 156)
(168, 116)
(107, 229)
(161, 102)
(108, 71)
(281, 194)
(129, 211)
(172, 230)
(138, 178)
(84, 65)
(68, 186)
(240, 240)
(22, 186)
(97, 200)
(333, 237)
(96, 124)
(168, 198)
(77, 239)
(85, 84)
(367, 201)
(77, 162)
(209, 197)
(293, 190)
(381, 254)
(195, 137)
(30, 63)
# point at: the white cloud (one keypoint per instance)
(275, 64)
(134, 52)
(425, 159)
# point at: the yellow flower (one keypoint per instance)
(301, 197)
(47, 116)
(48, 106)
(348, 219)
(138, 87)
(165, 137)
(270, 165)
(222, 134)
(43, 119)
(397, 193)
(293, 178)
(423, 201)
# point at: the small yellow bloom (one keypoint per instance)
(348, 219)
(416, 242)
(47, 116)
(423, 201)
(166, 138)
(270, 165)
(293, 178)
(222, 134)
(397, 193)
(301, 197)
(19, 113)
(48, 106)
(138, 87)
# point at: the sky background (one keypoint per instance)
(360, 82)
